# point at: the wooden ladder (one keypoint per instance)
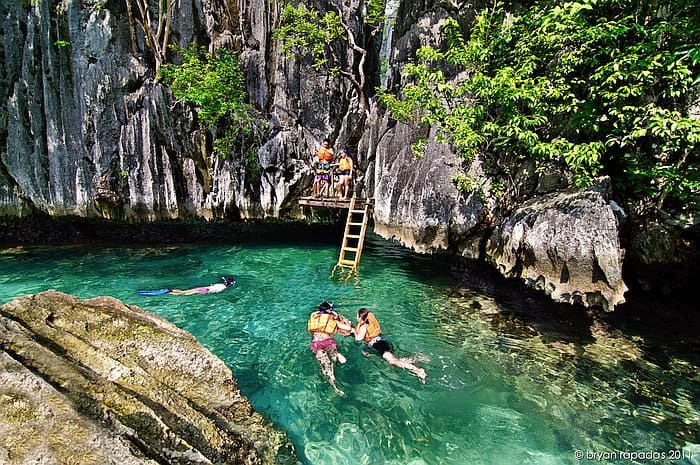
(353, 238)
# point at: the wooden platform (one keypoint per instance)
(331, 202)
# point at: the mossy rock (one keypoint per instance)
(101, 382)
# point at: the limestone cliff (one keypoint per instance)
(99, 382)
(87, 130)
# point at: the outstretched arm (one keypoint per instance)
(344, 327)
(360, 332)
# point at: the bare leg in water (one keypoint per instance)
(326, 358)
(406, 364)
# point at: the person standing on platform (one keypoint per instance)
(345, 168)
(322, 169)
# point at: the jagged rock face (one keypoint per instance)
(86, 124)
(99, 382)
(565, 244)
(89, 131)
(416, 201)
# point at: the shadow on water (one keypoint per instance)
(646, 361)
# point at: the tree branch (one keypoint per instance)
(359, 84)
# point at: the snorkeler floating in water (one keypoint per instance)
(322, 324)
(210, 289)
(368, 330)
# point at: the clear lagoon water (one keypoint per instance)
(501, 388)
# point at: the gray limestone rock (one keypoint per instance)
(99, 382)
(416, 200)
(565, 244)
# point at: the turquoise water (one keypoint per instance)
(501, 389)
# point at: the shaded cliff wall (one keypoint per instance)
(85, 120)
(88, 131)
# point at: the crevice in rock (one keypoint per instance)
(598, 273)
(564, 276)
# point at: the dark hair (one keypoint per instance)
(325, 140)
(325, 306)
(362, 313)
(228, 281)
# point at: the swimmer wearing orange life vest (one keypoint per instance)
(369, 331)
(323, 324)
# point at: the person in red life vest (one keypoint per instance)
(369, 331)
(323, 324)
(322, 168)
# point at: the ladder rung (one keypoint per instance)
(353, 236)
(355, 224)
(350, 249)
(357, 211)
(346, 263)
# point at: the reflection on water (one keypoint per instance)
(504, 386)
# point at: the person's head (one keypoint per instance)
(326, 306)
(344, 153)
(228, 281)
(326, 143)
(362, 314)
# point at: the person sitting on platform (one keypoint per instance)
(345, 168)
(322, 169)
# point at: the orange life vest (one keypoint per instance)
(322, 322)
(373, 329)
(344, 164)
(324, 154)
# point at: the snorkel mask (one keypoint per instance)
(228, 281)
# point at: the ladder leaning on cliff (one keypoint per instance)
(353, 237)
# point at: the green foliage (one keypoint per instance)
(304, 30)
(418, 147)
(216, 86)
(307, 32)
(61, 43)
(600, 85)
(467, 183)
(375, 13)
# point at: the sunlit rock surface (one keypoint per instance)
(87, 130)
(99, 382)
(565, 244)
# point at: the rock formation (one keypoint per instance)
(88, 130)
(99, 382)
(565, 244)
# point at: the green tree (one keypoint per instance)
(215, 85)
(326, 38)
(603, 86)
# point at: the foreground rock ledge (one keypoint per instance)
(100, 382)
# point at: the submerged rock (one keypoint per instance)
(100, 382)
